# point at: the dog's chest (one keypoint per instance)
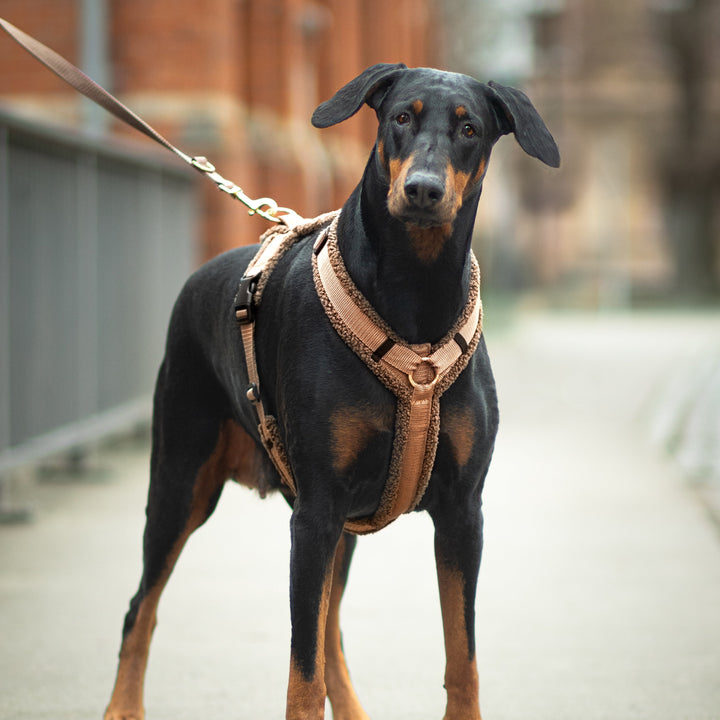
(364, 440)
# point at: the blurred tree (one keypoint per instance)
(689, 160)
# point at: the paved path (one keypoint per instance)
(600, 586)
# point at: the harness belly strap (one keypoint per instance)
(416, 374)
(274, 244)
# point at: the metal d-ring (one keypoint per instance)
(436, 370)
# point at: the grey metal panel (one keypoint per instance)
(126, 345)
(4, 295)
(87, 272)
(180, 217)
(43, 291)
(94, 246)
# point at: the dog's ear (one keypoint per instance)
(369, 87)
(516, 114)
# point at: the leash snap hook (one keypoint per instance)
(424, 362)
(202, 164)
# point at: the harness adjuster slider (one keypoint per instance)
(320, 241)
(245, 299)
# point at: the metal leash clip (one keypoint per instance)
(264, 207)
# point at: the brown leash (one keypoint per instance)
(265, 207)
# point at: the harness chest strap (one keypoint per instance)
(415, 374)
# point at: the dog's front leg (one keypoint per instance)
(314, 540)
(458, 546)
(344, 701)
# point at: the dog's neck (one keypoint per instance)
(419, 294)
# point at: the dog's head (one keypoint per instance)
(436, 131)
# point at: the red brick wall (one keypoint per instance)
(172, 46)
(237, 80)
(56, 22)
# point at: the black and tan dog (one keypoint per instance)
(404, 235)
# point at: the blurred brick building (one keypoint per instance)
(631, 88)
(235, 80)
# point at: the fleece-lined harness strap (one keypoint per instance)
(416, 374)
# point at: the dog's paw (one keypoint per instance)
(358, 714)
(111, 714)
(471, 715)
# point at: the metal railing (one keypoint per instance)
(95, 242)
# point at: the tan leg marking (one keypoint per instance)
(461, 676)
(126, 702)
(345, 703)
(306, 698)
(232, 456)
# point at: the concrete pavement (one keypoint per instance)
(599, 594)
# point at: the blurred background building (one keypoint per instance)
(235, 80)
(101, 227)
(631, 90)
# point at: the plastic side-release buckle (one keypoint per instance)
(245, 299)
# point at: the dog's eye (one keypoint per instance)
(468, 130)
(403, 118)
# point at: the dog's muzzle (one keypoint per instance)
(422, 197)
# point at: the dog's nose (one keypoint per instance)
(424, 190)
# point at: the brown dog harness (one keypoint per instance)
(416, 374)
